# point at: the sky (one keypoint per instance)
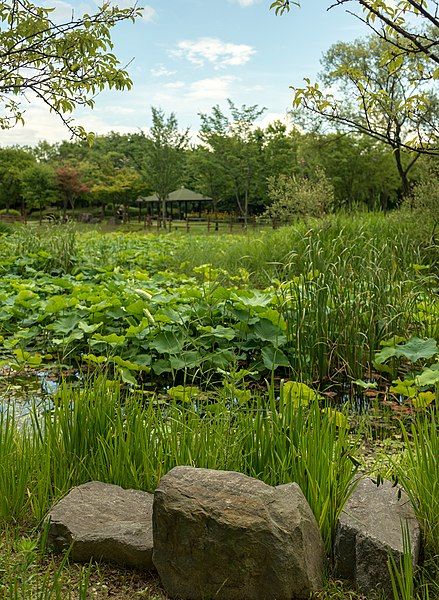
(188, 55)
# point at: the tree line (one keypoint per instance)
(363, 135)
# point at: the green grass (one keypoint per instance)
(418, 473)
(93, 434)
(324, 293)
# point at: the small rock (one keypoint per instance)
(225, 536)
(104, 522)
(368, 529)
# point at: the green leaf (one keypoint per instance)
(23, 357)
(220, 332)
(340, 419)
(413, 350)
(423, 399)
(404, 388)
(366, 385)
(429, 376)
(112, 339)
(127, 376)
(161, 366)
(273, 358)
(128, 364)
(184, 393)
(168, 342)
(92, 358)
(265, 330)
(186, 360)
(297, 393)
(416, 348)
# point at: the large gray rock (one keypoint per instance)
(104, 522)
(368, 529)
(223, 535)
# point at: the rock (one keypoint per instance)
(223, 535)
(104, 522)
(368, 529)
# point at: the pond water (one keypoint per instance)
(27, 391)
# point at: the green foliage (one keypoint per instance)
(425, 194)
(235, 150)
(164, 159)
(418, 473)
(402, 574)
(311, 302)
(384, 101)
(94, 433)
(415, 386)
(65, 63)
(293, 196)
(38, 186)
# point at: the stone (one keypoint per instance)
(104, 522)
(223, 535)
(368, 529)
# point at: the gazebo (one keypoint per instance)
(183, 198)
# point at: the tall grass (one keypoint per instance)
(418, 473)
(347, 284)
(94, 434)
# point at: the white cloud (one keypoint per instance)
(41, 124)
(246, 3)
(214, 51)
(193, 97)
(161, 71)
(149, 13)
(174, 85)
(271, 117)
(214, 89)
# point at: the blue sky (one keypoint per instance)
(192, 54)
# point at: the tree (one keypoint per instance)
(206, 175)
(164, 160)
(13, 161)
(390, 106)
(410, 26)
(38, 187)
(361, 169)
(63, 64)
(236, 148)
(299, 196)
(425, 194)
(70, 185)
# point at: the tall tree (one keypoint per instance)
(38, 187)
(13, 161)
(70, 186)
(164, 160)
(63, 64)
(236, 147)
(391, 106)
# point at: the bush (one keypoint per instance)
(425, 194)
(299, 196)
(10, 212)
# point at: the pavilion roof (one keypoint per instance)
(181, 195)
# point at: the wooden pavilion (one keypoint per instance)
(182, 199)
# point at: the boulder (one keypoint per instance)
(223, 535)
(368, 529)
(104, 522)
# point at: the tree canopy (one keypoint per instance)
(62, 64)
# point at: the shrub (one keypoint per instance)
(299, 196)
